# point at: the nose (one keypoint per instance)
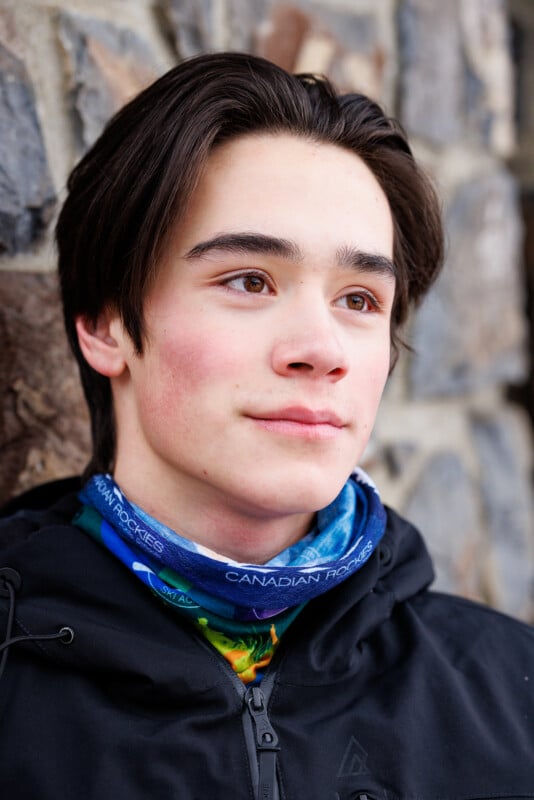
(309, 345)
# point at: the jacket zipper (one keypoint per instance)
(266, 743)
(256, 724)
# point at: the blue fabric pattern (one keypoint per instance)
(345, 535)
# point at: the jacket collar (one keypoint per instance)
(123, 632)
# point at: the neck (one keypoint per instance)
(213, 521)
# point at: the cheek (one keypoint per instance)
(190, 362)
(369, 379)
(381, 372)
(374, 363)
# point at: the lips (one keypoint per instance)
(304, 416)
(302, 422)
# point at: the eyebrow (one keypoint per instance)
(366, 262)
(243, 243)
(248, 242)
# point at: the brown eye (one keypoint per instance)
(248, 283)
(356, 302)
(253, 283)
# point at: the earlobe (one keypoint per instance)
(100, 344)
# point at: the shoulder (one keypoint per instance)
(473, 630)
(42, 496)
(48, 506)
(465, 633)
(485, 659)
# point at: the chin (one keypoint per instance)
(301, 497)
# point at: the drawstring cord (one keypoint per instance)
(10, 583)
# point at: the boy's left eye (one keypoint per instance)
(358, 301)
(251, 283)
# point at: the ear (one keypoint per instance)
(102, 343)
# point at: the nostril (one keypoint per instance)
(337, 372)
(300, 365)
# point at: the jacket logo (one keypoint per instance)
(354, 761)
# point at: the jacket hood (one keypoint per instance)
(128, 636)
(399, 569)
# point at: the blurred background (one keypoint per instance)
(452, 447)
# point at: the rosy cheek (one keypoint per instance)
(190, 361)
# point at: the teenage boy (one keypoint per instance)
(226, 610)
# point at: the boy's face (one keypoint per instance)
(268, 336)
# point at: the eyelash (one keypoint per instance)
(373, 304)
(243, 276)
(371, 301)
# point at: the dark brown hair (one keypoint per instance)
(134, 185)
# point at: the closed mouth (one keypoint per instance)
(304, 416)
(299, 421)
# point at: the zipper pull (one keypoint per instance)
(266, 743)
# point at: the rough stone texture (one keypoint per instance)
(26, 193)
(283, 35)
(398, 456)
(489, 89)
(527, 204)
(106, 66)
(345, 46)
(456, 74)
(504, 447)
(442, 506)
(301, 37)
(431, 75)
(43, 420)
(190, 25)
(199, 26)
(470, 331)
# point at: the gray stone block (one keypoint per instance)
(198, 26)
(489, 82)
(455, 72)
(443, 506)
(190, 23)
(106, 66)
(470, 331)
(506, 493)
(431, 69)
(27, 195)
(355, 31)
(300, 36)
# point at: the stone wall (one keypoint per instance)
(450, 449)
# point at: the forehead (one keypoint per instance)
(320, 195)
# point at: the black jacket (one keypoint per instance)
(380, 688)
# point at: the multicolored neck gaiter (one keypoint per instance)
(241, 609)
